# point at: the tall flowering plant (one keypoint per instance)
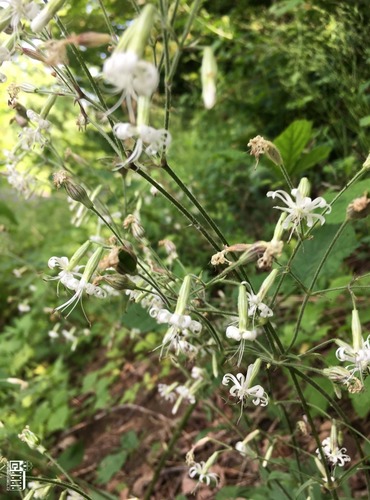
(220, 329)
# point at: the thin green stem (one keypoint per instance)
(181, 209)
(106, 19)
(168, 451)
(59, 467)
(313, 281)
(286, 176)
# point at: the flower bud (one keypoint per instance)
(209, 74)
(184, 292)
(136, 36)
(74, 191)
(28, 437)
(90, 39)
(46, 15)
(256, 368)
(304, 187)
(366, 163)
(92, 264)
(50, 101)
(78, 255)
(267, 284)
(356, 331)
(359, 208)
(243, 308)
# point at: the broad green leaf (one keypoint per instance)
(309, 160)
(130, 441)
(338, 213)
(58, 419)
(228, 492)
(312, 251)
(365, 121)
(72, 456)
(110, 465)
(292, 142)
(361, 401)
(284, 7)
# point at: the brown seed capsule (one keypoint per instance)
(359, 208)
(74, 191)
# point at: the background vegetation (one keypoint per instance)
(296, 72)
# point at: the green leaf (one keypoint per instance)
(58, 419)
(228, 492)
(137, 317)
(309, 160)
(365, 121)
(284, 7)
(338, 213)
(292, 142)
(312, 251)
(6, 212)
(361, 402)
(130, 441)
(72, 456)
(315, 398)
(110, 465)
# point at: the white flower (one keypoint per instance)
(336, 456)
(200, 470)
(24, 307)
(20, 9)
(233, 332)
(242, 390)
(300, 209)
(67, 277)
(22, 182)
(166, 392)
(255, 305)
(154, 139)
(359, 359)
(185, 393)
(197, 373)
(30, 136)
(73, 495)
(242, 448)
(39, 489)
(81, 286)
(130, 75)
